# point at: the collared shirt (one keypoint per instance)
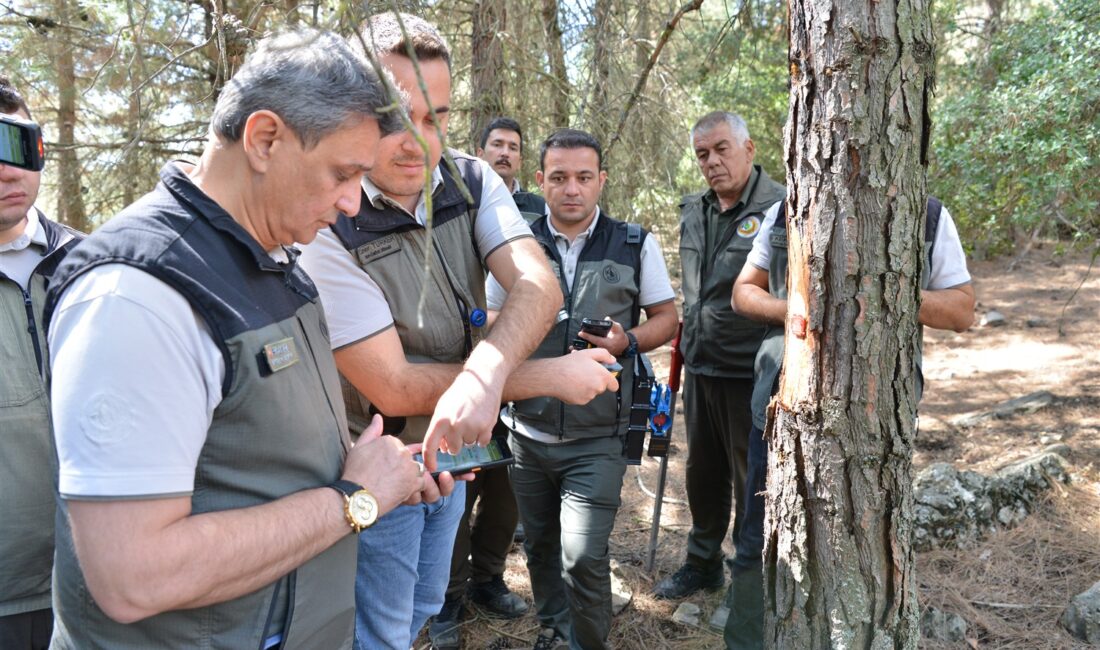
(19, 257)
(379, 200)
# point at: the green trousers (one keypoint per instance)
(568, 495)
(485, 535)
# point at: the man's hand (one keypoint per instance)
(385, 467)
(615, 342)
(465, 414)
(580, 375)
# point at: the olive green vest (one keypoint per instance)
(278, 429)
(605, 283)
(28, 464)
(531, 205)
(390, 246)
(716, 341)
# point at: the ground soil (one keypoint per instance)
(1043, 345)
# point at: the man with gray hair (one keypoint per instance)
(209, 488)
(717, 229)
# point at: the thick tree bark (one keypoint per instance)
(841, 439)
(561, 90)
(70, 196)
(487, 66)
(599, 106)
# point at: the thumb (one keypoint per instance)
(372, 432)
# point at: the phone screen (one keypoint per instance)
(11, 145)
(473, 457)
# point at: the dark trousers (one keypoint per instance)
(745, 624)
(26, 631)
(485, 536)
(568, 495)
(718, 416)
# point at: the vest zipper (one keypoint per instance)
(460, 302)
(32, 329)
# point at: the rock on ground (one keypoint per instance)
(1082, 617)
(954, 508)
(942, 626)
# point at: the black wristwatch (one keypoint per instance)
(632, 347)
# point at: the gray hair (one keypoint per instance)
(737, 125)
(312, 80)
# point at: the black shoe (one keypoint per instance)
(443, 629)
(519, 536)
(548, 639)
(687, 580)
(495, 597)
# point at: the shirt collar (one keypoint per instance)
(516, 187)
(379, 200)
(583, 235)
(33, 233)
(711, 198)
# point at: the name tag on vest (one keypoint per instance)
(281, 354)
(377, 249)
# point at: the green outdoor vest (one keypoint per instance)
(531, 205)
(28, 464)
(605, 283)
(716, 341)
(389, 245)
(769, 360)
(279, 428)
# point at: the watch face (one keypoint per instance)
(363, 508)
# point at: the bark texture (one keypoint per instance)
(841, 436)
(558, 72)
(487, 62)
(70, 193)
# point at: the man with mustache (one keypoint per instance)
(717, 229)
(31, 247)
(502, 147)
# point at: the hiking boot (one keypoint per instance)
(497, 599)
(687, 580)
(548, 639)
(444, 629)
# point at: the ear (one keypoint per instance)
(263, 131)
(539, 178)
(480, 152)
(603, 178)
(750, 149)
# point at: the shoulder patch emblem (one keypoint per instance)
(610, 274)
(749, 227)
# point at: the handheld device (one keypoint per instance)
(21, 144)
(615, 368)
(594, 326)
(473, 458)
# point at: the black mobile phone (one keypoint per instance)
(21, 144)
(596, 326)
(473, 458)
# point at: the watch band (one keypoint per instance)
(632, 346)
(346, 488)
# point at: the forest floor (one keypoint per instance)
(1012, 586)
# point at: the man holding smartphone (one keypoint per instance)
(569, 460)
(31, 246)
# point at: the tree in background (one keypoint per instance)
(838, 552)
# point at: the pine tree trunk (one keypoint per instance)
(487, 66)
(70, 196)
(841, 439)
(556, 52)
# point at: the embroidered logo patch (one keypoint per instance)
(281, 354)
(610, 274)
(377, 250)
(748, 227)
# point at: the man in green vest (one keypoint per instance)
(502, 147)
(717, 229)
(31, 247)
(570, 460)
(210, 493)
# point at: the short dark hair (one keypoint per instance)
(505, 123)
(10, 99)
(570, 139)
(383, 34)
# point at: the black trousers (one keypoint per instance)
(718, 415)
(26, 631)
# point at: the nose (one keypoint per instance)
(9, 173)
(349, 199)
(572, 187)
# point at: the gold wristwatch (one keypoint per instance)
(360, 506)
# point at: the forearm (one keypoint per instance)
(947, 309)
(137, 567)
(658, 329)
(755, 303)
(521, 324)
